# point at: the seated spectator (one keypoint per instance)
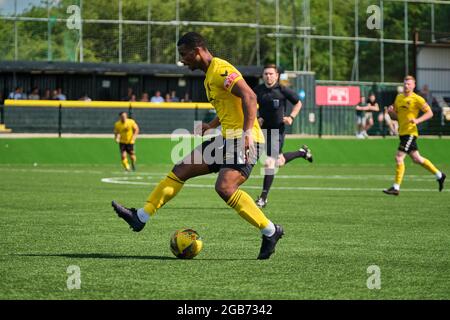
(186, 98)
(157, 97)
(167, 98)
(60, 95)
(54, 95)
(34, 95)
(173, 96)
(47, 95)
(85, 98)
(128, 96)
(133, 98)
(144, 97)
(17, 94)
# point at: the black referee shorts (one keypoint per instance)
(274, 141)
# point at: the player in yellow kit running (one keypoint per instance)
(125, 133)
(232, 155)
(406, 110)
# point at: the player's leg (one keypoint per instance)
(191, 166)
(427, 164)
(227, 186)
(399, 173)
(133, 157)
(269, 176)
(304, 152)
(123, 157)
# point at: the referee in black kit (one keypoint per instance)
(272, 117)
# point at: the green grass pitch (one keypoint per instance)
(55, 212)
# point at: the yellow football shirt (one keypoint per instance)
(221, 76)
(125, 130)
(408, 108)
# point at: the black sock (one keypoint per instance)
(289, 156)
(268, 180)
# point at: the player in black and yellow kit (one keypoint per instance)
(125, 133)
(232, 155)
(406, 110)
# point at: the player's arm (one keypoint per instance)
(428, 114)
(135, 131)
(116, 135)
(250, 109)
(249, 103)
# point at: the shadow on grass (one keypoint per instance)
(118, 256)
(95, 256)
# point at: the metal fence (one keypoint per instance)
(297, 34)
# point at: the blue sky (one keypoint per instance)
(7, 6)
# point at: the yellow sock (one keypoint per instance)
(247, 209)
(399, 173)
(163, 192)
(429, 166)
(125, 164)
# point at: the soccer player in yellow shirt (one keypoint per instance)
(125, 134)
(232, 155)
(406, 110)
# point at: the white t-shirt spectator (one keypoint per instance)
(157, 99)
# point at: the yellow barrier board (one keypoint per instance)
(107, 104)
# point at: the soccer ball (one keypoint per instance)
(186, 243)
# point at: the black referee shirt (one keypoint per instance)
(273, 103)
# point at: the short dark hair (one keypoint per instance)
(120, 113)
(271, 66)
(192, 40)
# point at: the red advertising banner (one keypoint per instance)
(337, 96)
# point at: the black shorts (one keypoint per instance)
(408, 144)
(274, 141)
(221, 153)
(125, 147)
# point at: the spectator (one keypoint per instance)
(17, 94)
(173, 96)
(157, 97)
(34, 95)
(60, 95)
(186, 98)
(128, 96)
(54, 95)
(47, 95)
(85, 98)
(145, 97)
(366, 122)
(360, 118)
(168, 98)
(133, 98)
(426, 94)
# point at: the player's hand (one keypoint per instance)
(287, 120)
(414, 121)
(117, 140)
(390, 108)
(201, 128)
(249, 147)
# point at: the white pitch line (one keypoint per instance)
(123, 180)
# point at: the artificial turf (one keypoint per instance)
(55, 212)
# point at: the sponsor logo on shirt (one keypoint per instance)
(229, 80)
